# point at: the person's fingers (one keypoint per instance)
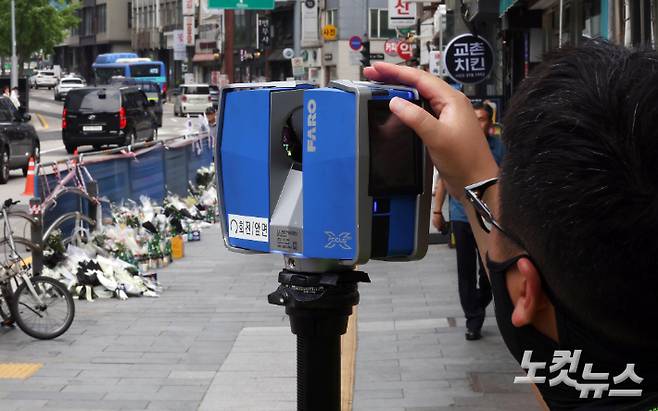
(423, 123)
(435, 90)
(371, 73)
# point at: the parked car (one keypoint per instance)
(65, 85)
(193, 98)
(214, 96)
(107, 115)
(18, 139)
(44, 78)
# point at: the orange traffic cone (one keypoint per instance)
(29, 181)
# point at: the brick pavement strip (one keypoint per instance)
(212, 342)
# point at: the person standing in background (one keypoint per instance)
(473, 284)
(14, 97)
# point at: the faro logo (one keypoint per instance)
(311, 135)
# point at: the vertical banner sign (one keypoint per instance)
(188, 28)
(426, 33)
(401, 13)
(264, 33)
(188, 7)
(310, 33)
(435, 60)
(468, 59)
(180, 53)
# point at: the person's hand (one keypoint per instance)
(439, 223)
(455, 141)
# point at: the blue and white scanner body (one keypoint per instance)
(321, 174)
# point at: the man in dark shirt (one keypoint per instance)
(568, 225)
(473, 284)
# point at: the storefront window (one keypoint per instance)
(591, 19)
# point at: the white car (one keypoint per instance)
(193, 98)
(44, 78)
(66, 84)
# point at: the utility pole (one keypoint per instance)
(14, 59)
(297, 36)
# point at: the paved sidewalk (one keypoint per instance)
(212, 342)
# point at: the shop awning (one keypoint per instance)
(505, 5)
(203, 57)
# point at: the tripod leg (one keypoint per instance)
(318, 373)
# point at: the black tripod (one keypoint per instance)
(318, 305)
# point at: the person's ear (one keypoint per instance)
(531, 299)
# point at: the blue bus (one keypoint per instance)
(129, 65)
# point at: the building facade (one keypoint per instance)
(154, 23)
(532, 28)
(104, 28)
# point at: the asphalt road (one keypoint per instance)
(47, 118)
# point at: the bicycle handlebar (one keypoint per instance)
(9, 202)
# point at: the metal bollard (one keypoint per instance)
(36, 234)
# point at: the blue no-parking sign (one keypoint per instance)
(355, 43)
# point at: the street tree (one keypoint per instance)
(40, 26)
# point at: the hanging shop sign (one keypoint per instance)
(468, 59)
(401, 13)
(329, 32)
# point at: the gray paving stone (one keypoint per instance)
(54, 395)
(173, 405)
(212, 342)
(23, 404)
(191, 375)
(95, 405)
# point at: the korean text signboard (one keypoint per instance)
(401, 13)
(405, 50)
(329, 32)
(241, 4)
(264, 33)
(468, 59)
(310, 33)
(188, 7)
(188, 29)
(391, 47)
(180, 53)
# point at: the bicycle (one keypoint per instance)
(41, 306)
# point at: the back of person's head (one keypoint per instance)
(579, 185)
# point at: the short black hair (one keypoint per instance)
(479, 105)
(579, 185)
(210, 110)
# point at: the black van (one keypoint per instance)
(107, 115)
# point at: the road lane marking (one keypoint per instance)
(42, 120)
(52, 149)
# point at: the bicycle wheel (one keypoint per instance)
(81, 232)
(48, 319)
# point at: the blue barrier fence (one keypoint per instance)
(152, 171)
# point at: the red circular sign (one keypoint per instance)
(391, 47)
(356, 43)
(405, 50)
